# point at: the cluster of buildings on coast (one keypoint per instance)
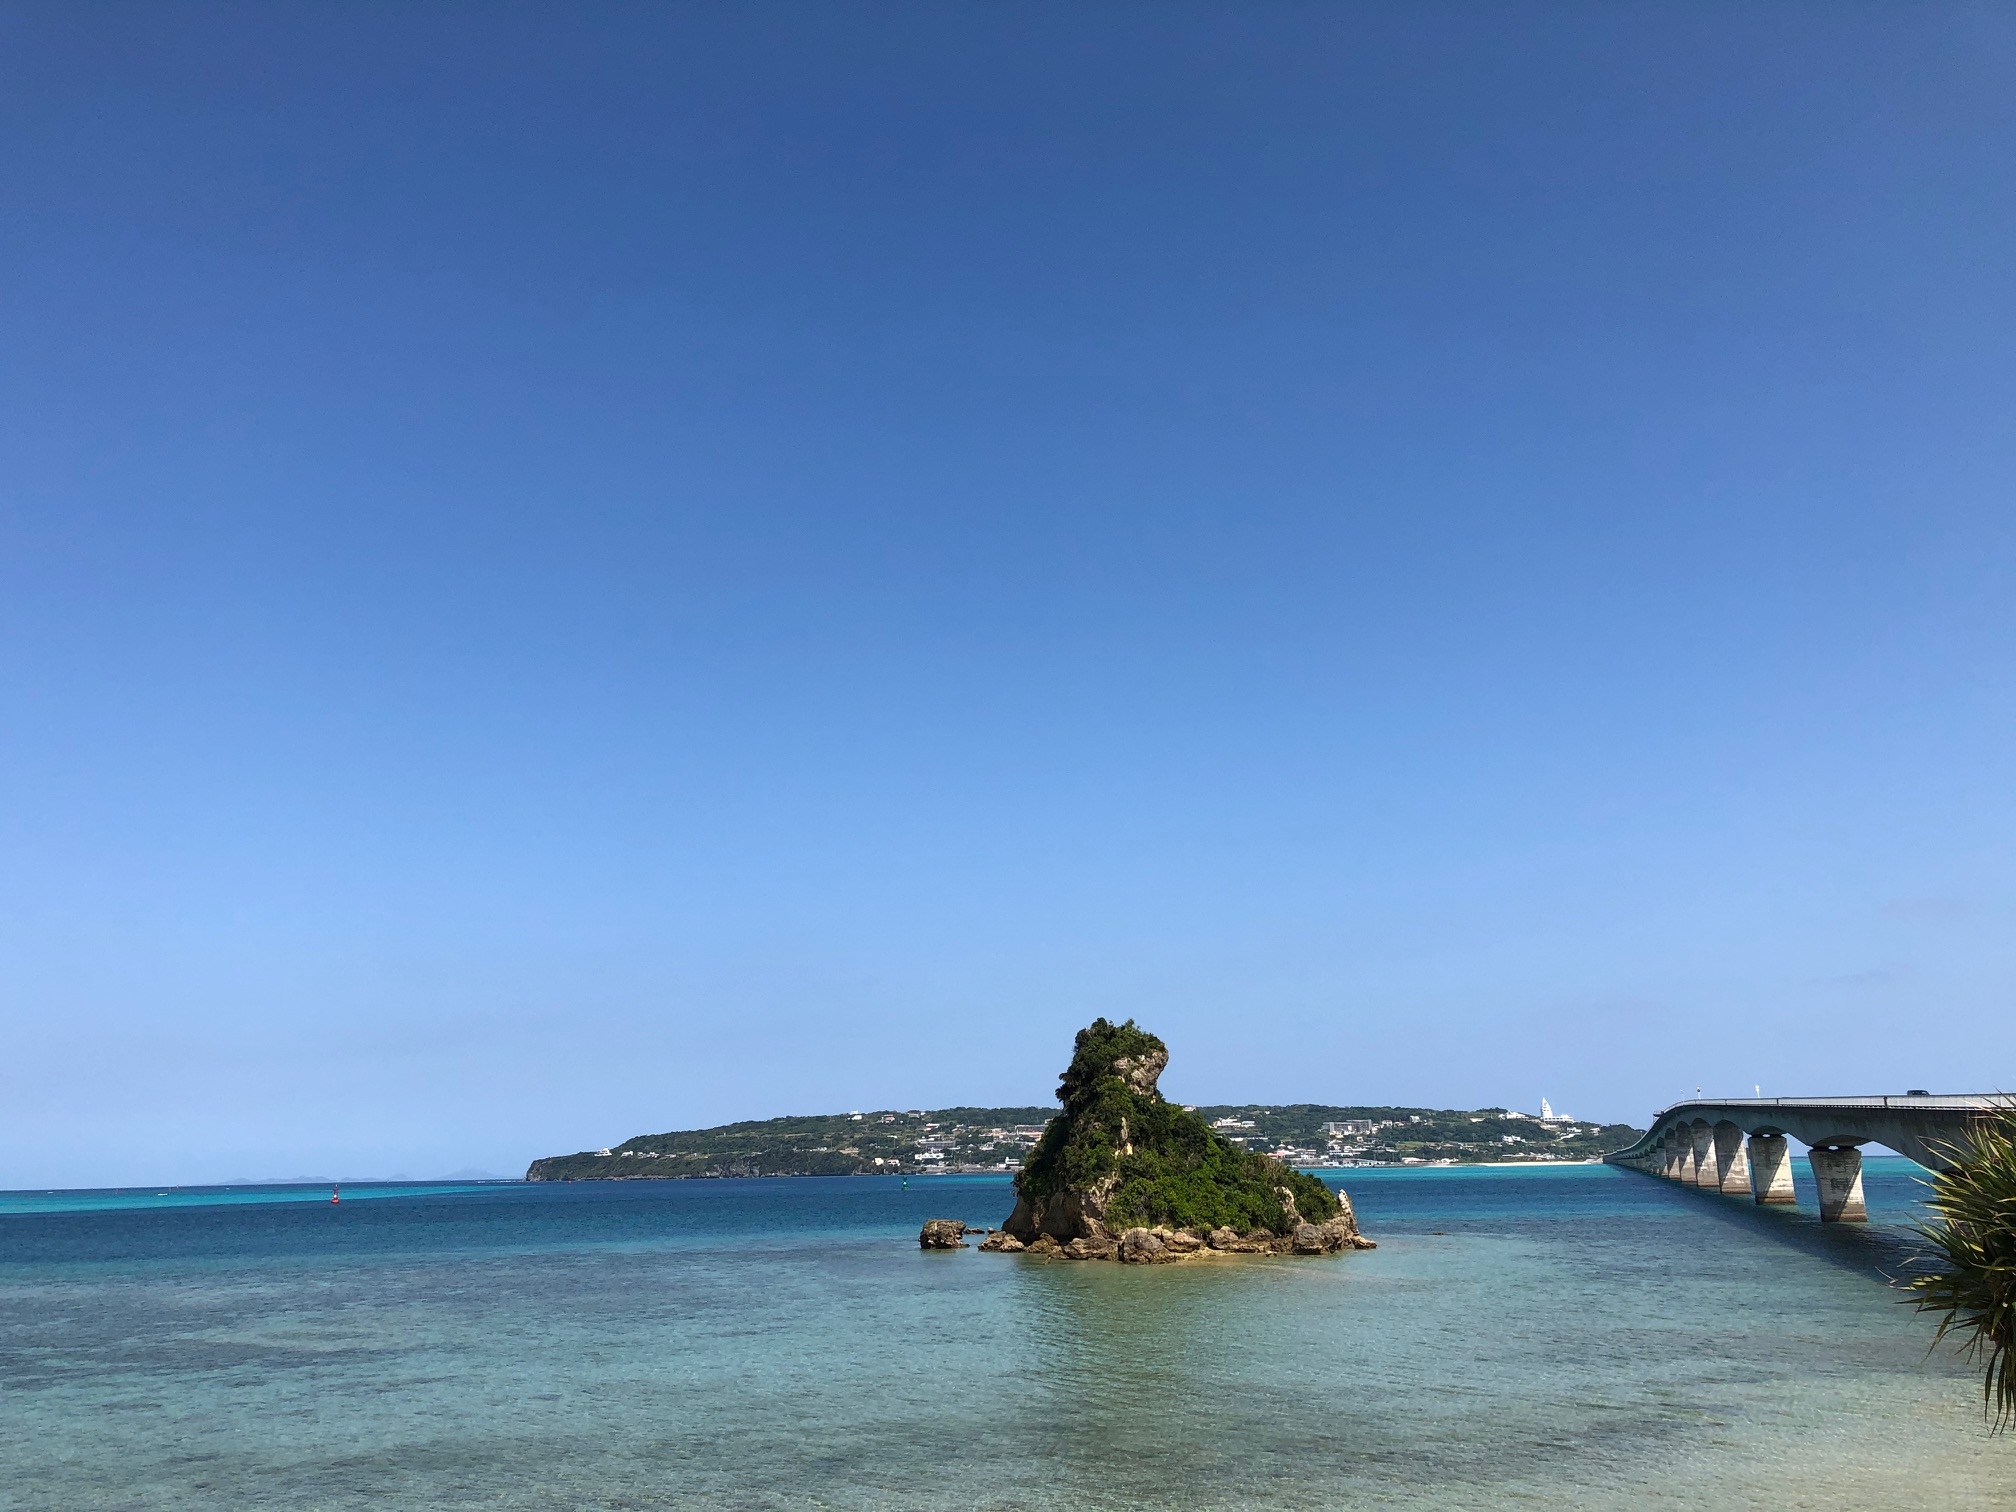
(1337, 1149)
(957, 1147)
(1342, 1143)
(1419, 1138)
(996, 1140)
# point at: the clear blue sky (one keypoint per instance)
(574, 570)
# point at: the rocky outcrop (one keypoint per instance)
(1143, 1069)
(942, 1233)
(1064, 1215)
(1161, 1246)
(1317, 1239)
(1090, 1248)
(1121, 1173)
(1138, 1246)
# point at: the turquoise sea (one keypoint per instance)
(1576, 1337)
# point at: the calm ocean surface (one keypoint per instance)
(1569, 1338)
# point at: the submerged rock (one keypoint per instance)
(942, 1233)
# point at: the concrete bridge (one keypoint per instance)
(1737, 1146)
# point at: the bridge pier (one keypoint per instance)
(1701, 1168)
(1699, 1143)
(1771, 1168)
(1732, 1168)
(1837, 1172)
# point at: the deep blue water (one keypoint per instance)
(1576, 1336)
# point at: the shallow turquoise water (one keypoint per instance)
(1578, 1337)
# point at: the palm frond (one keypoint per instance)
(1967, 1270)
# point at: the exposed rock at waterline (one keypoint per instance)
(942, 1233)
(1140, 1247)
(1091, 1248)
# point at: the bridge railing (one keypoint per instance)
(1957, 1102)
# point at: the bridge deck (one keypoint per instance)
(1925, 1127)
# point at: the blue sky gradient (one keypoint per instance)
(567, 571)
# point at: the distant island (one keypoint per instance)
(922, 1142)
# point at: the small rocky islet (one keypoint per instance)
(1124, 1174)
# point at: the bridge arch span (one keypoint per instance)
(1737, 1146)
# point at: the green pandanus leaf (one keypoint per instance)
(1966, 1273)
